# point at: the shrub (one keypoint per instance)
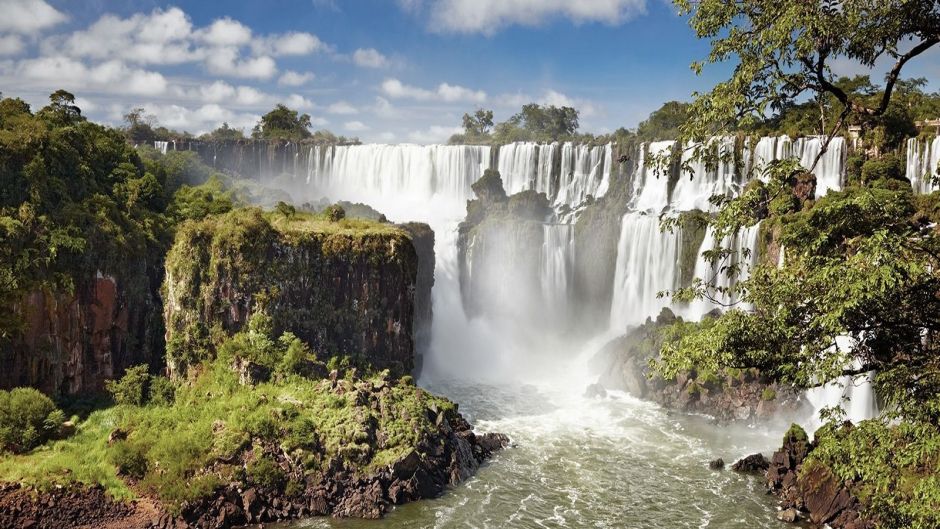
(768, 394)
(335, 213)
(129, 459)
(27, 419)
(887, 167)
(132, 388)
(266, 474)
(162, 391)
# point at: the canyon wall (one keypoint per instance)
(348, 290)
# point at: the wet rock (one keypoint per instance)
(595, 391)
(752, 464)
(716, 464)
(788, 515)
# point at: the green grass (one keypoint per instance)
(319, 223)
(194, 444)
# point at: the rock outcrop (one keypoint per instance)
(71, 343)
(743, 395)
(346, 291)
(809, 487)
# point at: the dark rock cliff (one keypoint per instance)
(71, 343)
(349, 290)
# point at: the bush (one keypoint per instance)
(266, 474)
(162, 391)
(130, 459)
(887, 167)
(132, 388)
(335, 213)
(27, 419)
(768, 394)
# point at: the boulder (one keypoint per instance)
(752, 464)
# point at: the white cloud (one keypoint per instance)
(246, 95)
(217, 92)
(226, 61)
(292, 43)
(319, 122)
(384, 108)
(444, 92)
(160, 37)
(298, 101)
(433, 134)
(387, 136)
(111, 76)
(488, 16)
(355, 126)
(551, 97)
(202, 119)
(342, 107)
(11, 44)
(370, 58)
(292, 78)
(28, 16)
(227, 32)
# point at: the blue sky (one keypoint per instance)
(392, 70)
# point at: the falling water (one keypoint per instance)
(647, 264)
(923, 159)
(557, 261)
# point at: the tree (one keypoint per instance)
(785, 51)
(224, 133)
(139, 128)
(664, 123)
(548, 122)
(478, 124)
(862, 265)
(284, 124)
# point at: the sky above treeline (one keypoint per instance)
(383, 70)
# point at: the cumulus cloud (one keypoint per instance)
(488, 16)
(226, 32)
(297, 101)
(292, 43)
(342, 107)
(201, 119)
(226, 61)
(370, 58)
(11, 44)
(110, 76)
(550, 97)
(433, 134)
(292, 78)
(355, 126)
(444, 92)
(28, 17)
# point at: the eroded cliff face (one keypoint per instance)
(349, 290)
(71, 343)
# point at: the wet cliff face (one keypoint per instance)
(71, 343)
(349, 289)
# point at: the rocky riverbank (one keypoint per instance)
(740, 395)
(283, 488)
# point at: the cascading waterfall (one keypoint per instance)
(692, 191)
(923, 159)
(651, 185)
(556, 267)
(647, 263)
(830, 168)
(743, 257)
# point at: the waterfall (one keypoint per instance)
(693, 190)
(922, 163)
(585, 170)
(651, 187)
(647, 263)
(556, 264)
(161, 146)
(854, 394)
(743, 247)
(518, 165)
(830, 168)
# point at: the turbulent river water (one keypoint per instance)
(578, 462)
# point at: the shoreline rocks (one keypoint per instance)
(808, 489)
(440, 461)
